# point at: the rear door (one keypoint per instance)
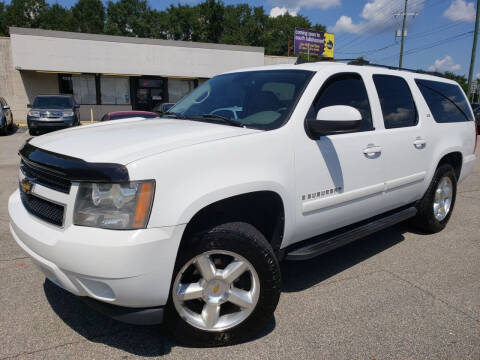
(406, 152)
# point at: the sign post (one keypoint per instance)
(313, 42)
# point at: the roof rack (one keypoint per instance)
(363, 62)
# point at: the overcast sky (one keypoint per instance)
(439, 37)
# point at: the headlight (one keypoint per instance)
(114, 206)
(34, 113)
(68, 113)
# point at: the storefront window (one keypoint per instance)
(84, 90)
(114, 90)
(178, 88)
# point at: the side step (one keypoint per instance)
(322, 244)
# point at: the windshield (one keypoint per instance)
(257, 99)
(52, 102)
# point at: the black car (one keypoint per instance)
(6, 117)
(52, 111)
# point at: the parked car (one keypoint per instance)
(52, 111)
(186, 220)
(6, 117)
(163, 108)
(128, 114)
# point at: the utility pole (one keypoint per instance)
(400, 61)
(474, 50)
(404, 23)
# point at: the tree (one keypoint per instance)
(460, 79)
(25, 13)
(89, 16)
(182, 23)
(244, 25)
(56, 17)
(3, 25)
(129, 18)
(211, 14)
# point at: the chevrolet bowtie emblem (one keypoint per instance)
(26, 186)
(216, 288)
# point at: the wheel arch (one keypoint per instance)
(263, 209)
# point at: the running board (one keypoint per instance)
(325, 244)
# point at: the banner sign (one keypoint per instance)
(313, 42)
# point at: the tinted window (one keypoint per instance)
(396, 100)
(52, 102)
(344, 89)
(447, 102)
(257, 99)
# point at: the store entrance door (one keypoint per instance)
(148, 93)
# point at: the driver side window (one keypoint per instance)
(344, 89)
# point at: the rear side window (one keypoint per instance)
(344, 89)
(396, 100)
(447, 102)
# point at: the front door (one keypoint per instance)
(339, 178)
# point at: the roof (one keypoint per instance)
(345, 67)
(131, 40)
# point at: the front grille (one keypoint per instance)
(45, 177)
(43, 209)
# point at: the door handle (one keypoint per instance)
(420, 143)
(371, 149)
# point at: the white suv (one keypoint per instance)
(185, 219)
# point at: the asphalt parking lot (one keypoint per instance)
(396, 295)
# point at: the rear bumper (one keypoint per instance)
(467, 166)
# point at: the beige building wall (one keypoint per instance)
(19, 88)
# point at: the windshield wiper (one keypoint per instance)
(224, 119)
(174, 114)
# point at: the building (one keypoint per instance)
(111, 73)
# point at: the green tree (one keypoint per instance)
(129, 18)
(25, 13)
(244, 25)
(89, 16)
(460, 79)
(182, 23)
(56, 17)
(211, 14)
(3, 25)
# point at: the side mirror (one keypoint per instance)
(29, 106)
(332, 120)
(6, 107)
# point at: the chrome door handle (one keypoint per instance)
(370, 150)
(420, 143)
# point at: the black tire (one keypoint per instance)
(245, 240)
(425, 219)
(4, 131)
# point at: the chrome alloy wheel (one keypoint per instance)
(216, 290)
(443, 198)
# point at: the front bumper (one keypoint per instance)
(129, 268)
(37, 123)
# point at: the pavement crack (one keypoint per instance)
(17, 258)
(432, 295)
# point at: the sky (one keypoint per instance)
(439, 32)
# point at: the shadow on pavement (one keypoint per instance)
(153, 340)
(300, 275)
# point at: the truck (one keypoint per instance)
(184, 219)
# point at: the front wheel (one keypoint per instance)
(436, 206)
(226, 287)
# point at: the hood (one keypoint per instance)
(127, 140)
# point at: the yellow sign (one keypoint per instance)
(329, 45)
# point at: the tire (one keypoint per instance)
(426, 219)
(218, 244)
(4, 131)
